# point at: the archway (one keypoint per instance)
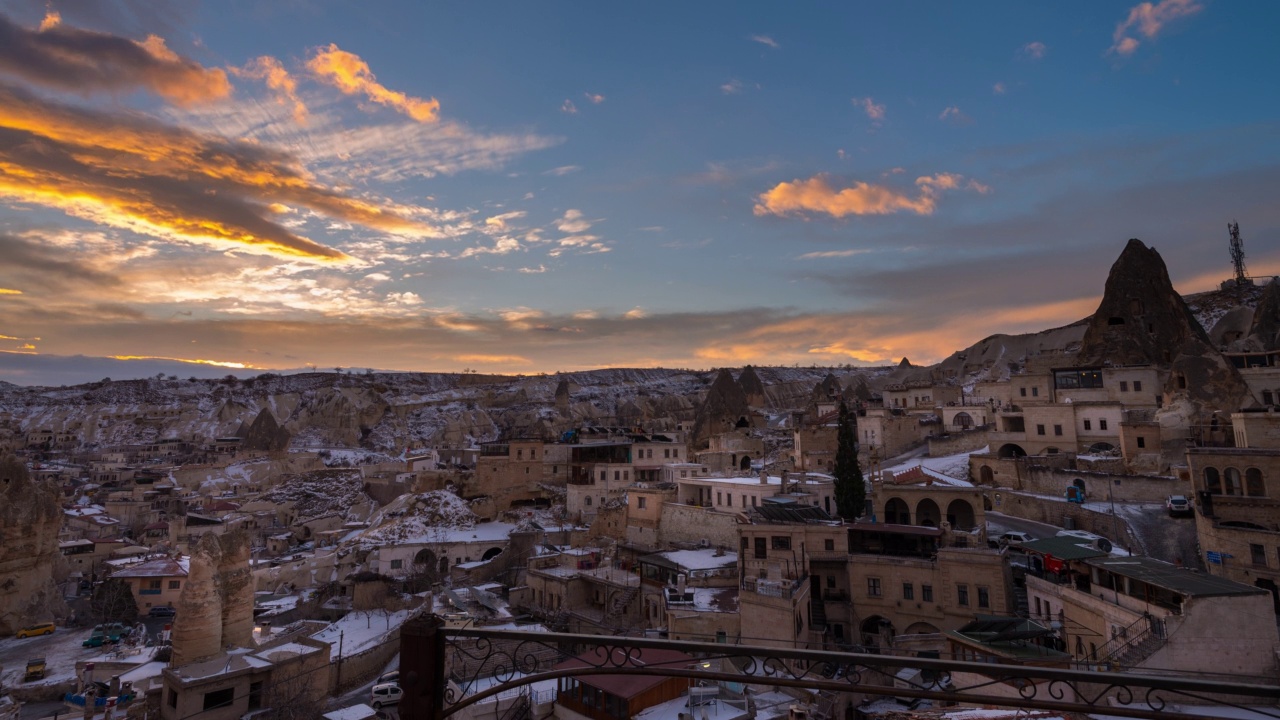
(1010, 450)
(877, 631)
(920, 628)
(1253, 485)
(927, 513)
(1101, 448)
(960, 514)
(1212, 481)
(491, 553)
(962, 420)
(986, 476)
(745, 463)
(896, 512)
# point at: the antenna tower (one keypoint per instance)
(1237, 253)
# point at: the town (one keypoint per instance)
(1094, 497)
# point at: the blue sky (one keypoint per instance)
(524, 187)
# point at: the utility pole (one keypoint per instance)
(1115, 522)
(337, 684)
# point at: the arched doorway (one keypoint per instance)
(492, 553)
(920, 628)
(962, 421)
(927, 513)
(877, 632)
(745, 463)
(1101, 448)
(1010, 450)
(960, 514)
(986, 476)
(896, 512)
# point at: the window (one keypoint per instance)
(587, 501)
(153, 584)
(1212, 481)
(761, 552)
(604, 475)
(1102, 423)
(719, 499)
(640, 502)
(962, 595)
(1035, 392)
(722, 636)
(926, 593)
(175, 584)
(1258, 554)
(1057, 429)
(1037, 606)
(1231, 481)
(829, 545)
(873, 587)
(617, 475)
(1022, 392)
(984, 597)
(781, 542)
(675, 452)
(1088, 424)
(753, 501)
(666, 453)
(1253, 485)
(744, 501)
(729, 499)
(1137, 386)
(831, 582)
(219, 698)
(908, 591)
(397, 564)
(1124, 386)
(1142, 442)
(1039, 429)
(255, 695)
(173, 698)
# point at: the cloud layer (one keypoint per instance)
(817, 195)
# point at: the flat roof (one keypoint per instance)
(894, 529)
(1063, 548)
(623, 685)
(1171, 577)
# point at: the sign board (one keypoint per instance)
(1216, 557)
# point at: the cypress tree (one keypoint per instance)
(851, 490)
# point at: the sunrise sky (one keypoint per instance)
(521, 187)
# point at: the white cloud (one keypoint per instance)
(568, 107)
(572, 222)
(595, 98)
(559, 172)
(1034, 50)
(733, 87)
(953, 114)
(766, 40)
(1149, 19)
(831, 254)
(875, 111)
(998, 88)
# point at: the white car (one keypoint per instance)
(1014, 537)
(385, 694)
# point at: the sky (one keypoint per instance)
(233, 186)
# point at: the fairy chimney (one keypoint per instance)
(197, 629)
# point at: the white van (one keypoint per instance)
(385, 694)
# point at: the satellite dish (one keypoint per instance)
(1103, 544)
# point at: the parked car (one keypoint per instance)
(385, 694)
(36, 630)
(1179, 506)
(1014, 538)
(35, 670)
(389, 677)
(161, 611)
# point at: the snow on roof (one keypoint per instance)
(701, 559)
(359, 631)
(156, 567)
(354, 712)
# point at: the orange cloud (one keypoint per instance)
(9, 291)
(874, 110)
(163, 181)
(269, 69)
(1149, 19)
(216, 363)
(347, 72)
(818, 196)
(493, 359)
(87, 61)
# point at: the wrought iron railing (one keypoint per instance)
(441, 670)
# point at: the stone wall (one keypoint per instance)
(957, 442)
(689, 523)
(1102, 486)
(30, 563)
(361, 667)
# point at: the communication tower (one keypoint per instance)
(1237, 253)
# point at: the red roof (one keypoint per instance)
(626, 686)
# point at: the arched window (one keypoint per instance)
(1253, 485)
(588, 501)
(1231, 482)
(962, 420)
(1212, 482)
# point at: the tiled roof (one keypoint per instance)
(157, 567)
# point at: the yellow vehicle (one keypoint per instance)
(35, 670)
(35, 630)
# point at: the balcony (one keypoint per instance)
(784, 589)
(458, 664)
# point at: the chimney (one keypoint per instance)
(680, 585)
(764, 475)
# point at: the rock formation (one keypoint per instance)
(752, 388)
(1142, 320)
(724, 407)
(215, 609)
(1264, 331)
(265, 434)
(30, 562)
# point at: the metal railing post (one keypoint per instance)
(422, 665)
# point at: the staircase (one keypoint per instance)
(623, 599)
(1135, 644)
(520, 710)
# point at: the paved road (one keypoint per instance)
(998, 523)
(362, 694)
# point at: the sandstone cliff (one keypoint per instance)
(30, 561)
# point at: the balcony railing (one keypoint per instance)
(784, 589)
(441, 669)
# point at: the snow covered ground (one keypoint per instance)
(948, 469)
(358, 631)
